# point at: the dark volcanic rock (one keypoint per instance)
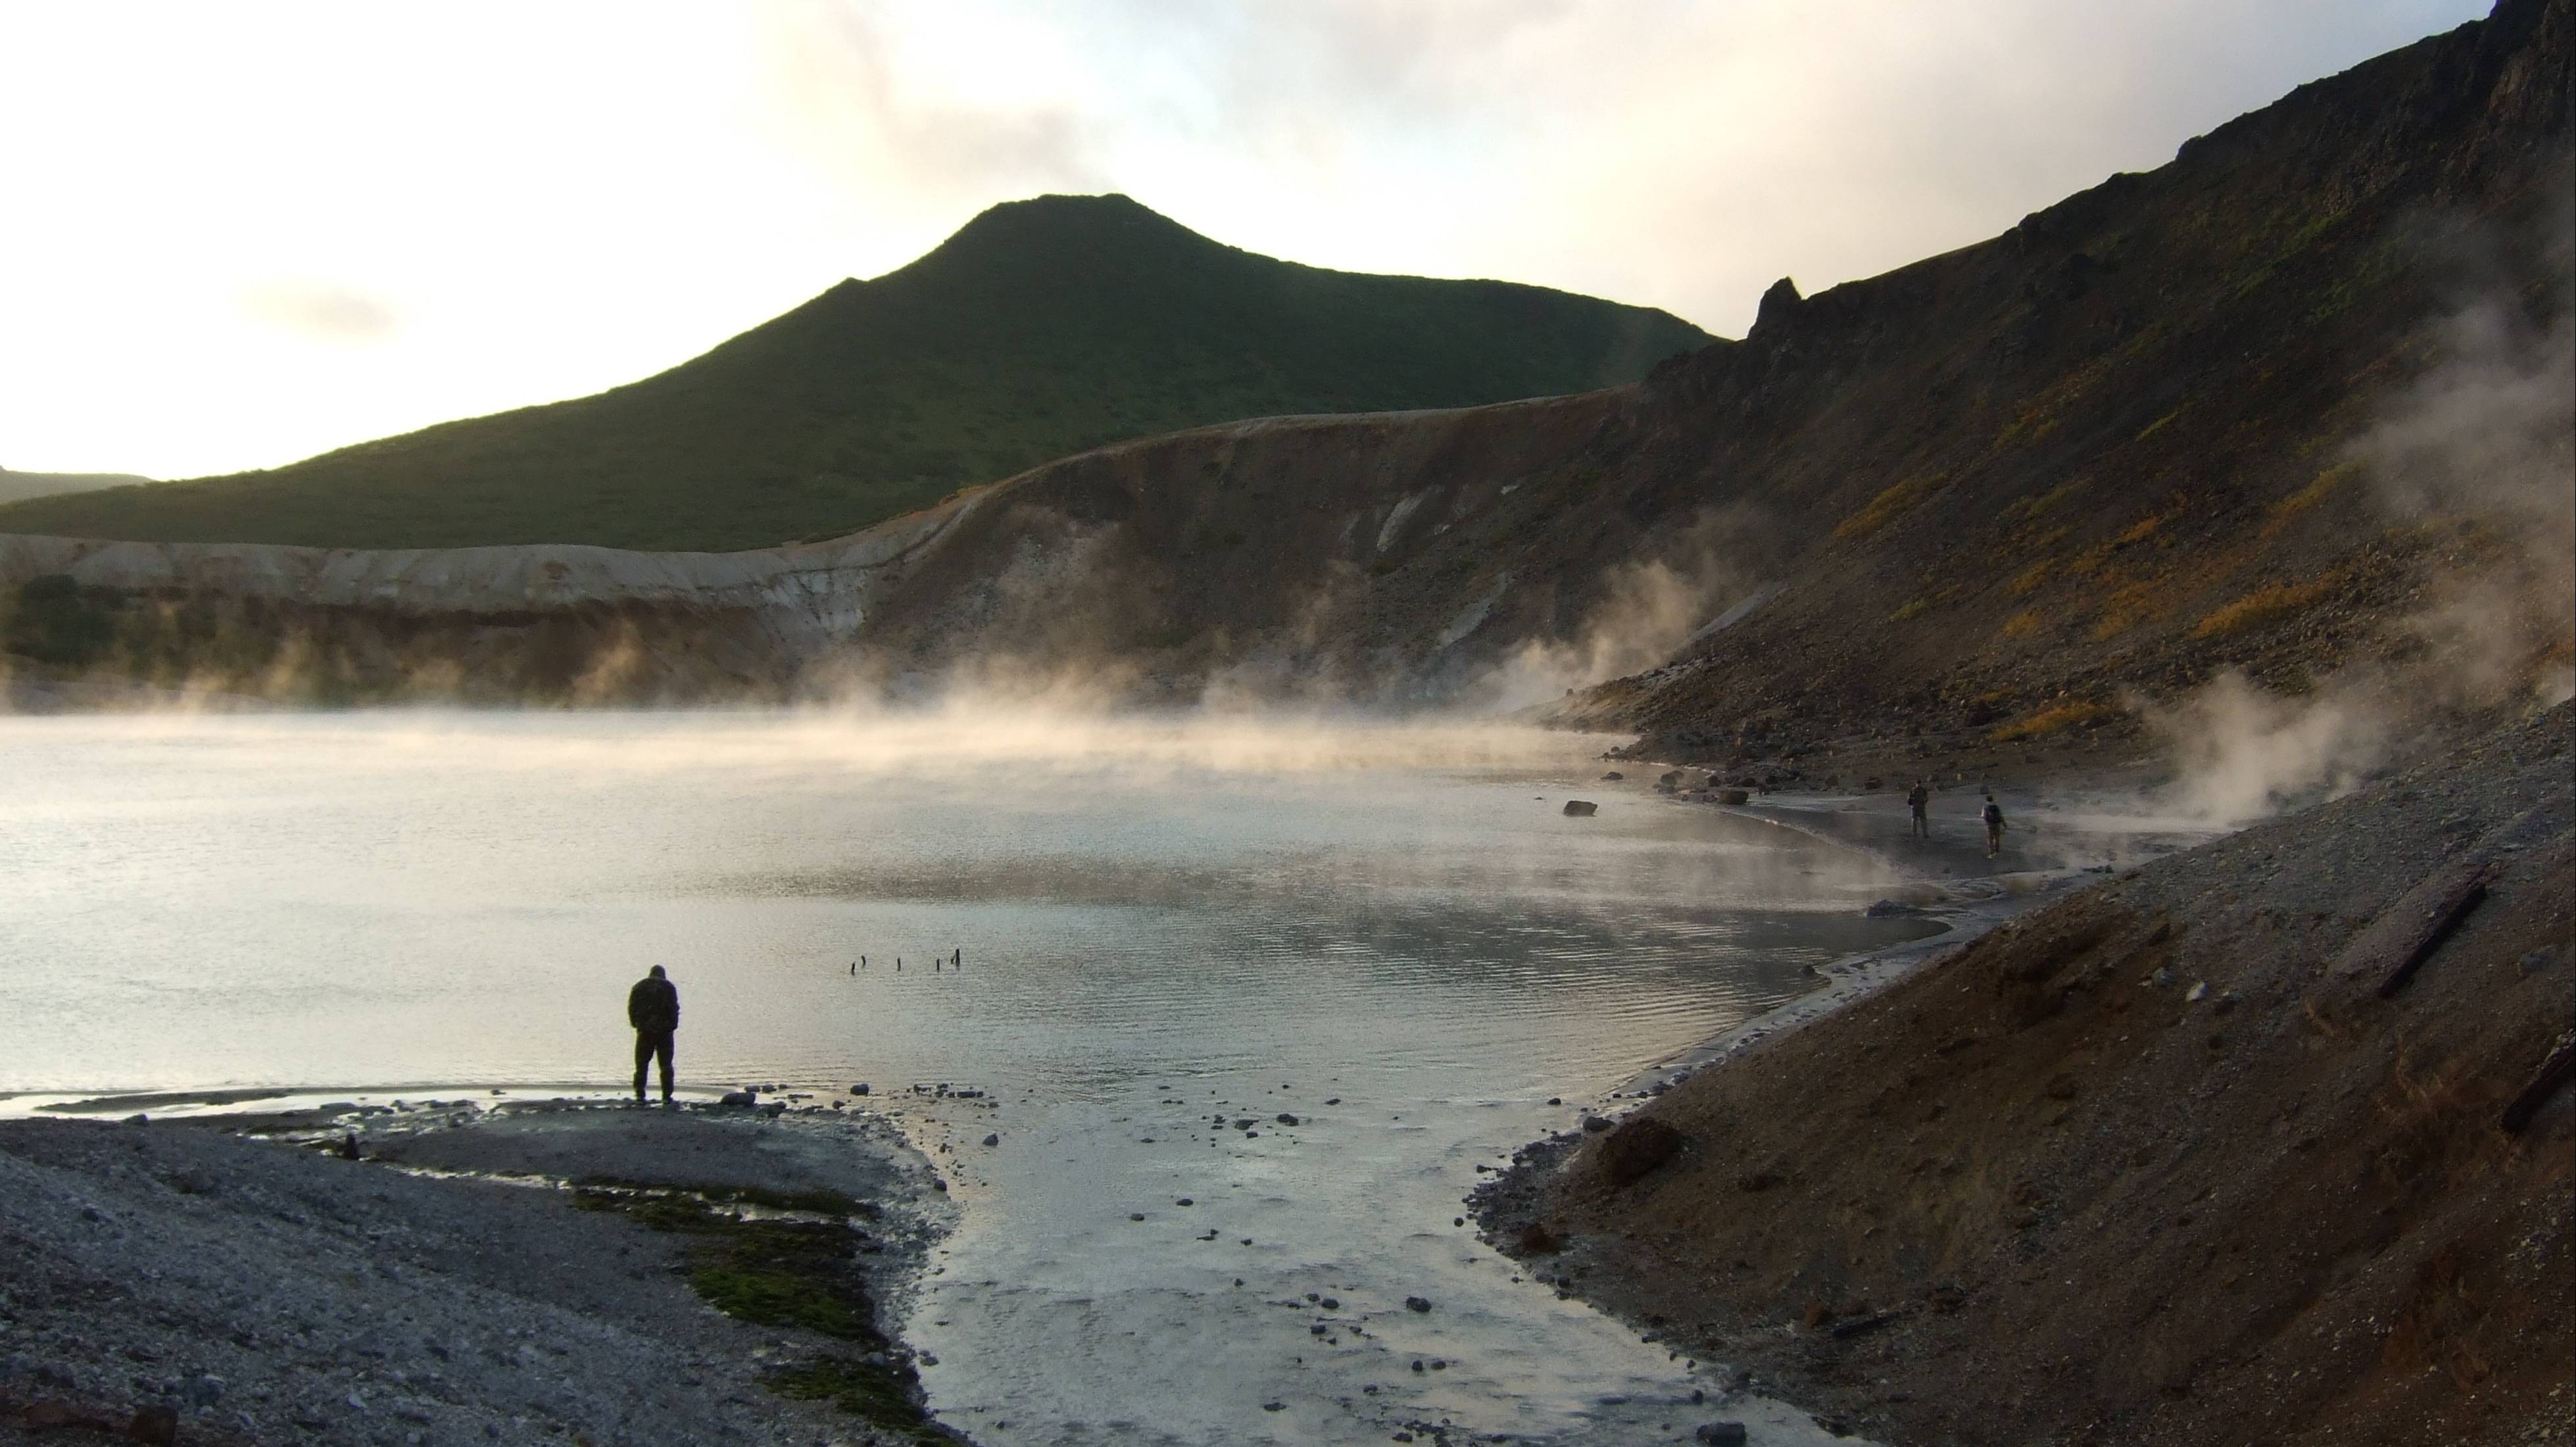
(1640, 1144)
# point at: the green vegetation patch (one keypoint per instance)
(55, 620)
(1041, 329)
(786, 1271)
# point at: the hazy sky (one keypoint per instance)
(239, 234)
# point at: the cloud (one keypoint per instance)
(321, 311)
(886, 104)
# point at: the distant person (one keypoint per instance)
(1919, 799)
(653, 1008)
(1993, 814)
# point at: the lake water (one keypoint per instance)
(1391, 932)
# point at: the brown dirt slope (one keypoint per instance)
(2158, 1163)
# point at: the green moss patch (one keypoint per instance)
(783, 1271)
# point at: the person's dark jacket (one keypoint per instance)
(653, 1006)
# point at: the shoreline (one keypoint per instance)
(1967, 906)
(2189, 1108)
(465, 1271)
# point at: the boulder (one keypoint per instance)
(1581, 808)
(1638, 1146)
(1537, 1240)
(1729, 1434)
(1612, 777)
(1733, 796)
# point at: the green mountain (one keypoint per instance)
(1042, 328)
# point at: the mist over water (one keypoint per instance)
(1162, 919)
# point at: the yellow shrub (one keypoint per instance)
(1908, 611)
(1882, 509)
(2318, 490)
(2265, 605)
(2022, 625)
(2037, 507)
(2032, 576)
(2050, 720)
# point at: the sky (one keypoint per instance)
(233, 236)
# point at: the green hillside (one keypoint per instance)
(1042, 328)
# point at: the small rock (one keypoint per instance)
(1135, 1215)
(1637, 1147)
(2198, 990)
(1890, 909)
(1286, 1119)
(1722, 1432)
(993, 1139)
(1595, 1125)
(859, 1089)
(1581, 808)
(1417, 1304)
(1537, 1240)
(1185, 1201)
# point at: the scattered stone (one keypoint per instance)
(1890, 909)
(1185, 1201)
(1286, 1119)
(1612, 777)
(1730, 1434)
(859, 1089)
(993, 1139)
(1581, 808)
(1537, 1240)
(1595, 1125)
(1417, 1304)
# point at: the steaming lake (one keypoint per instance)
(1161, 922)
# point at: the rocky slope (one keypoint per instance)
(2189, 1157)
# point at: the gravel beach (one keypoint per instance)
(246, 1278)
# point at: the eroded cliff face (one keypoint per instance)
(2274, 407)
(485, 625)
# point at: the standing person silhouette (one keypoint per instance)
(653, 1008)
(1919, 799)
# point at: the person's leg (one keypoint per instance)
(643, 1055)
(662, 1047)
